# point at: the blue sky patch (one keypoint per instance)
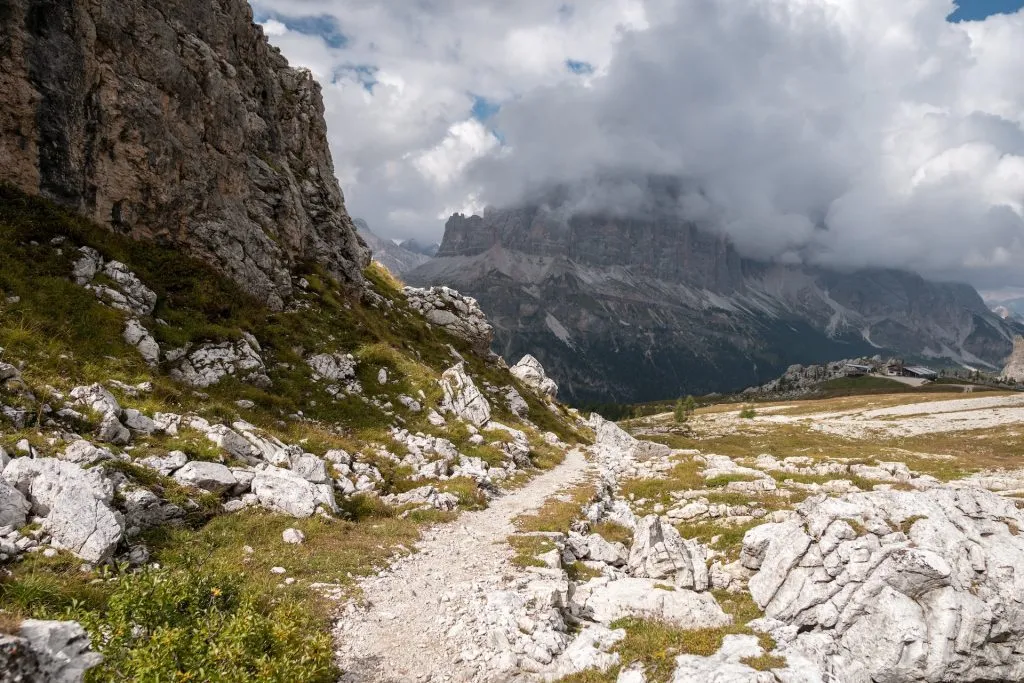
(323, 25)
(973, 10)
(578, 67)
(364, 73)
(484, 108)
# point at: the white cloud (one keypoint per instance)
(846, 132)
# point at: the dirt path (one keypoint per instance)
(422, 619)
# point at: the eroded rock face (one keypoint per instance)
(659, 552)
(460, 315)
(75, 504)
(285, 491)
(175, 121)
(462, 397)
(210, 363)
(603, 600)
(531, 372)
(52, 651)
(907, 586)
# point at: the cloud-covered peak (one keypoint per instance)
(845, 132)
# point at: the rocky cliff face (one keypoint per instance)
(1014, 370)
(174, 121)
(633, 309)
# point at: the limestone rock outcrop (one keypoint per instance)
(897, 585)
(531, 372)
(460, 315)
(197, 133)
(51, 651)
(463, 398)
(75, 504)
(659, 552)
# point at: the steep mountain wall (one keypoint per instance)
(174, 121)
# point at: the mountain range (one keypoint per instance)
(643, 307)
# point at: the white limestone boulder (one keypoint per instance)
(659, 552)
(462, 398)
(531, 373)
(604, 600)
(285, 491)
(75, 504)
(208, 476)
(907, 585)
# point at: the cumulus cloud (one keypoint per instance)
(836, 132)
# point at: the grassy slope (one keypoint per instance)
(213, 608)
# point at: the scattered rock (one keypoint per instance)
(285, 491)
(903, 585)
(604, 600)
(462, 398)
(333, 367)
(50, 651)
(74, 503)
(209, 363)
(659, 552)
(460, 315)
(135, 334)
(531, 373)
(208, 476)
(293, 536)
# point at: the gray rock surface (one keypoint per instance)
(531, 372)
(209, 476)
(462, 398)
(659, 552)
(249, 126)
(46, 651)
(135, 334)
(14, 507)
(458, 314)
(604, 600)
(1014, 370)
(210, 363)
(75, 504)
(903, 585)
(284, 491)
(333, 367)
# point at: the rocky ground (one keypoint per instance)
(754, 563)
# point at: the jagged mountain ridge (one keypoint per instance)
(631, 309)
(394, 257)
(178, 122)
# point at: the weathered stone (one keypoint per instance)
(460, 315)
(531, 373)
(604, 600)
(74, 502)
(210, 363)
(209, 476)
(14, 507)
(284, 491)
(138, 336)
(1014, 370)
(462, 398)
(311, 468)
(293, 536)
(167, 464)
(659, 552)
(259, 136)
(46, 651)
(333, 367)
(905, 585)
